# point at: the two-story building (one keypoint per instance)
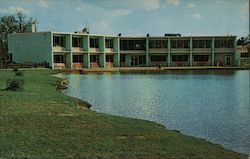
(82, 50)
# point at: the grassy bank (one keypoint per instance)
(41, 122)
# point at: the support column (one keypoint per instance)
(169, 52)
(88, 53)
(118, 51)
(147, 50)
(212, 51)
(70, 48)
(191, 52)
(52, 52)
(104, 52)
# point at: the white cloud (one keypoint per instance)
(43, 3)
(190, 5)
(150, 4)
(12, 10)
(141, 4)
(121, 12)
(196, 16)
(173, 2)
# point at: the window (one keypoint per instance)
(158, 44)
(78, 58)
(109, 58)
(142, 60)
(186, 43)
(109, 43)
(58, 59)
(217, 43)
(158, 58)
(59, 41)
(122, 58)
(152, 43)
(202, 44)
(208, 43)
(180, 58)
(201, 57)
(132, 44)
(94, 42)
(224, 43)
(195, 43)
(230, 44)
(173, 44)
(244, 55)
(94, 58)
(77, 42)
(180, 44)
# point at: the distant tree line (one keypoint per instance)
(14, 23)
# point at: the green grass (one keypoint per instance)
(41, 122)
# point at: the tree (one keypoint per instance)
(242, 41)
(15, 23)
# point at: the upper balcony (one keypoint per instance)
(77, 44)
(59, 43)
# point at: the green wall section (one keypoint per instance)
(28, 47)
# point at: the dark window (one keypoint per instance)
(59, 41)
(58, 59)
(180, 44)
(164, 43)
(158, 58)
(195, 43)
(201, 57)
(244, 55)
(142, 60)
(223, 43)
(202, 44)
(158, 44)
(122, 58)
(230, 44)
(132, 45)
(77, 42)
(94, 58)
(173, 44)
(152, 43)
(109, 43)
(186, 43)
(180, 58)
(208, 43)
(217, 44)
(109, 58)
(94, 42)
(78, 58)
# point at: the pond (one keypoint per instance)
(211, 104)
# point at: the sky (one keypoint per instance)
(136, 17)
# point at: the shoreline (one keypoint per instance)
(145, 69)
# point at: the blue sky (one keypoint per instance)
(137, 17)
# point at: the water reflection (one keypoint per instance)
(209, 104)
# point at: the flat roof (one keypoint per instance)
(125, 36)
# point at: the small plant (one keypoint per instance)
(14, 84)
(62, 84)
(18, 72)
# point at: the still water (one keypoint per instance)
(214, 105)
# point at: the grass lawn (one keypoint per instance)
(41, 122)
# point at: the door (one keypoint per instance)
(134, 60)
(228, 60)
